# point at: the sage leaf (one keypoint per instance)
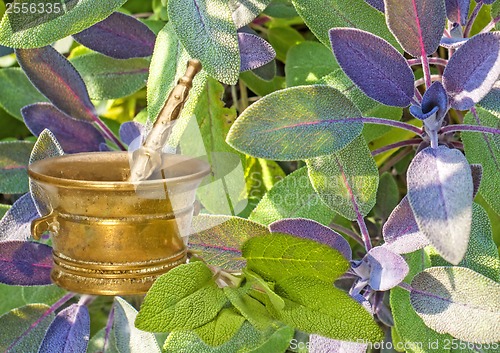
(391, 80)
(245, 11)
(457, 10)
(458, 301)
(44, 28)
(221, 329)
(309, 229)
(468, 78)
(358, 15)
(254, 51)
(127, 338)
(14, 157)
(16, 223)
(491, 102)
(378, 4)
(16, 91)
(482, 149)
(186, 297)
(219, 238)
(320, 344)
(477, 176)
(23, 329)
(319, 122)
(417, 24)
(69, 331)
(387, 196)
(315, 306)
(250, 308)
(208, 34)
(260, 285)
(119, 36)
(292, 197)
(279, 256)
(440, 194)
(108, 78)
(276, 338)
(129, 131)
(347, 180)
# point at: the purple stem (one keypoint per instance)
(485, 129)
(396, 145)
(427, 71)
(433, 78)
(398, 124)
(109, 134)
(53, 308)
(109, 326)
(347, 232)
(418, 96)
(431, 60)
(472, 18)
(491, 25)
(364, 231)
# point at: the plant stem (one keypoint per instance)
(431, 60)
(234, 96)
(243, 95)
(418, 96)
(394, 160)
(421, 81)
(364, 231)
(485, 129)
(427, 71)
(86, 299)
(490, 25)
(109, 326)
(52, 309)
(472, 18)
(409, 142)
(347, 232)
(393, 123)
(109, 134)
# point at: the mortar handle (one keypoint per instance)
(44, 224)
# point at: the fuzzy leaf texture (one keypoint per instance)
(25, 263)
(490, 102)
(387, 196)
(401, 232)
(358, 52)
(458, 301)
(254, 51)
(320, 121)
(440, 194)
(16, 223)
(69, 332)
(292, 197)
(358, 15)
(457, 10)
(119, 36)
(320, 344)
(43, 28)
(482, 148)
(108, 78)
(346, 181)
(309, 229)
(308, 62)
(472, 70)
(208, 33)
(23, 329)
(433, 108)
(250, 308)
(53, 75)
(73, 135)
(127, 338)
(221, 329)
(315, 306)
(14, 158)
(279, 256)
(245, 11)
(417, 24)
(219, 239)
(248, 339)
(130, 130)
(16, 91)
(186, 297)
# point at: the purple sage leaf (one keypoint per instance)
(306, 228)
(130, 130)
(472, 70)
(457, 10)
(69, 332)
(401, 233)
(440, 194)
(374, 65)
(25, 263)
(387, 269)
(73, 135)
(254, 51)
(119, 36)
(452, 43)
(320, 344)
(434, 107)
(418, 25)
(16, 223)
(477, 175)
(54, 76)
(378, 4)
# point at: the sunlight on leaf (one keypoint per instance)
(16, 223)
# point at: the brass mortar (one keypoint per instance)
(111, 236)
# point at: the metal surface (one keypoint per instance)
(111, 236)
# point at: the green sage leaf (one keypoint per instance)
(346, 181)
(221, 329)
(320, 121)
(186, 297)
(292, 197)
(277, 256)
(14, 158)
(458, 301)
